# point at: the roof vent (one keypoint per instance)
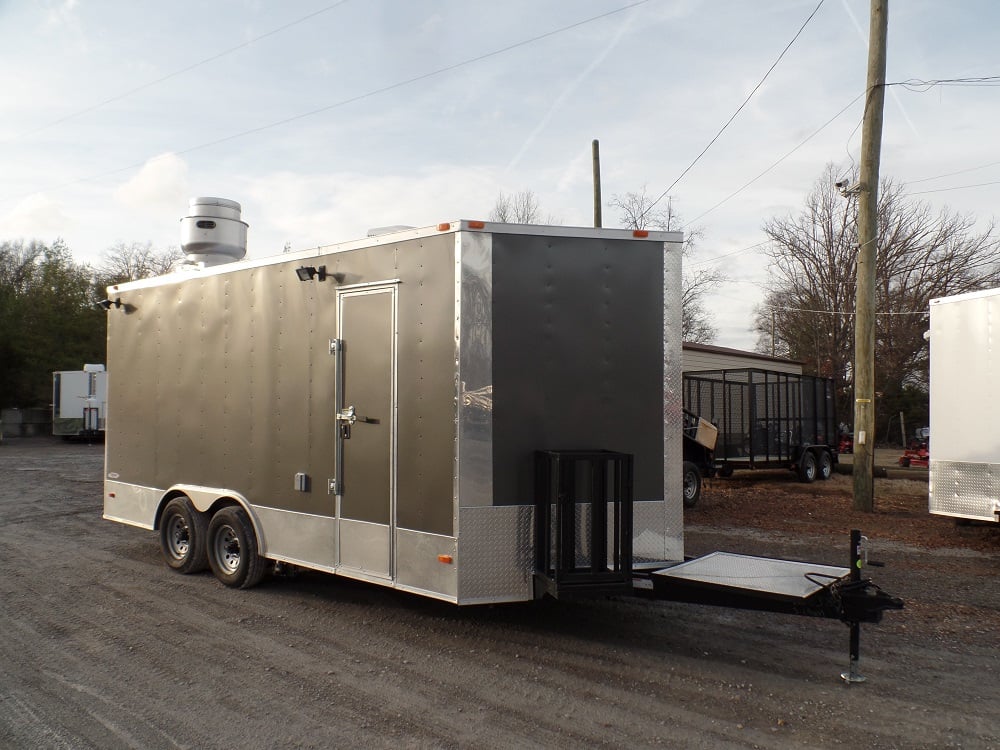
(213, 233)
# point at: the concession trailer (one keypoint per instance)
(965, 461)
(472, 411)
(79, 401)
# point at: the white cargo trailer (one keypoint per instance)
(79, 401)
(965, 410)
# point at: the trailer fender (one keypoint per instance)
(210, 499)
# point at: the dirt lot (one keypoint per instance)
(104, 647)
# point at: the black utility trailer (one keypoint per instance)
(767, 419)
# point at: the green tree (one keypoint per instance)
(48, 320)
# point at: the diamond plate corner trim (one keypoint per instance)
(968, 490)
(672, 526)
(496, 554)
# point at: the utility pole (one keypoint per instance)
(864, 320)
(595, 148)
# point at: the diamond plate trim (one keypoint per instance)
(496, 554)
(966, 490)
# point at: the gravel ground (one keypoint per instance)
(105, 647)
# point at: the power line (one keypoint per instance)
(803, 143)
(738, 110)
(728, 255)
(344, 102)
(919, 85)
(778, 308)
(174, 74)
(957, 187)
(952, 174)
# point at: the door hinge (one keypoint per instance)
(332, 487)
(336, 346)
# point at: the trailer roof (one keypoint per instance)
(967, 295)
(458, 225)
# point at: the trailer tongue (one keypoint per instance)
(584, 547)
(796, 588)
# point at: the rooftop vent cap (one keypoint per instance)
(213, 233)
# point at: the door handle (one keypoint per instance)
(349, 416)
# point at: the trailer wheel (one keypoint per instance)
(807, 467)
(184, 536)
(232, 549)
(692, 484)
(725, 471)
(825, 465)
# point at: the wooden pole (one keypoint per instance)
(864, 320)
(596, 152)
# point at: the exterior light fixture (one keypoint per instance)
(308, 273)
(108, 304)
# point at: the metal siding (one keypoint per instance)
(475, 407)
(426, 417)
(225, 379)
(578, 355)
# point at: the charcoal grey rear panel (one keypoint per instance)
(577, 356)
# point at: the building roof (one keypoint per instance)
(711, 349)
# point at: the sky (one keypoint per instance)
(325, 118)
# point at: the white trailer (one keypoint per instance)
(965, 413)
(79, 401)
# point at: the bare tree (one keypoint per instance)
(637, 211)
(519, 208)
(128, 261)
(808, 312)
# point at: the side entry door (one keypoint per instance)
(366, 428)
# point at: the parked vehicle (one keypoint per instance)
(767, 419)
(473, 412)
(79, 401)
(964, 481)
(916, 454)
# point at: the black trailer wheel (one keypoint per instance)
(232, 549)
(807, 467)
(692, 484)
(184, 536)
(725, 471)
(825, 465)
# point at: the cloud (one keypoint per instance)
(61, 13)
(36, 216)
(160, 187)
(313, 210)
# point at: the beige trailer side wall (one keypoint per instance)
(226, 380)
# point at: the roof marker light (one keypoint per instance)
(477, 225)
(640, 233)
(444, 227)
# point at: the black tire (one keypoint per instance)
(807, 467)
(232, 549)
(184, 536)
(692, 484)
(725, 471)
(825, 468)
